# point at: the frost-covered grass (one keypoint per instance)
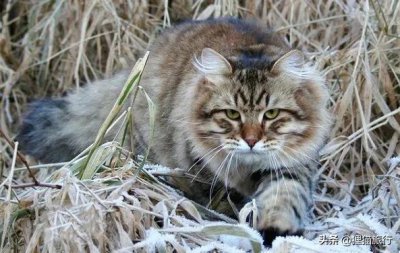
(49, 47)
(123, 210)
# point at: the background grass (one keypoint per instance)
(52, 46)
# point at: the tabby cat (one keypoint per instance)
(236, 105)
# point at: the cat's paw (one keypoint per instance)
(278, 222)
(269, 234)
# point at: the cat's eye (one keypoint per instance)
(271, 114)
(232, 114)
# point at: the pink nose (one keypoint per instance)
(251, 142)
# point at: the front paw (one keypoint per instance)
(278, 222)
(269, 234)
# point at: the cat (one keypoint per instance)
(235, 104)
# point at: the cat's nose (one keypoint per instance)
(251, 141)
(251, 133)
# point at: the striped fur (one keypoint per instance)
(214, 83)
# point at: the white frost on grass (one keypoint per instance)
(185, 230)
(242, 241)
(236, 241)
(154, 242)
(380, 230)
(221, 247)
(394, 161)
(155, 168)
(240, 237)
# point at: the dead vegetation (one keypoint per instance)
(50, 47)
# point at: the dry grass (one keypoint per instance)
(50, 47)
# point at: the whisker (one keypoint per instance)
(215, 178)
(208, 137)
(288, 169)
(302, 153)
(275, 162)
(228, 169)
(204, 165)
(201, 158)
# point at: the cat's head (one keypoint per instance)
(266, 111)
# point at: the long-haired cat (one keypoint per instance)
(235, 104)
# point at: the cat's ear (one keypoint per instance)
(289, 62)
(212, 64)
(294, 65)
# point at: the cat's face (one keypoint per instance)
(269, 117)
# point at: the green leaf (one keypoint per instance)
(133, 80)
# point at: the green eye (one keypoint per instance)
(232, 114)
(271, 114)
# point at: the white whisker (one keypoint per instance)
(201, 158)
(215, 178)
(204, 165)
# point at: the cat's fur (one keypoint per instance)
(195, 72)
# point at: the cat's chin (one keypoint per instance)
(264, 160)
(251, 157)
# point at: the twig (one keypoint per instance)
(20, 156)
(23, 160)
(54, 186)
(179, 173)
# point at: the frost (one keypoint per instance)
(155, 168)
(380, 229)
(216, 246)
(373, 225)
(394, 161)
(235, 241)
(154, 242)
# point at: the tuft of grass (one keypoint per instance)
(90, 168)
(50, 47)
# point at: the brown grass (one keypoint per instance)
(50, 47)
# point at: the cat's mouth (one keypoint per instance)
(249, 151)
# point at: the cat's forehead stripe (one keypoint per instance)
(240, 97)
(250, 77)
(258, 100)
(250, 97)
